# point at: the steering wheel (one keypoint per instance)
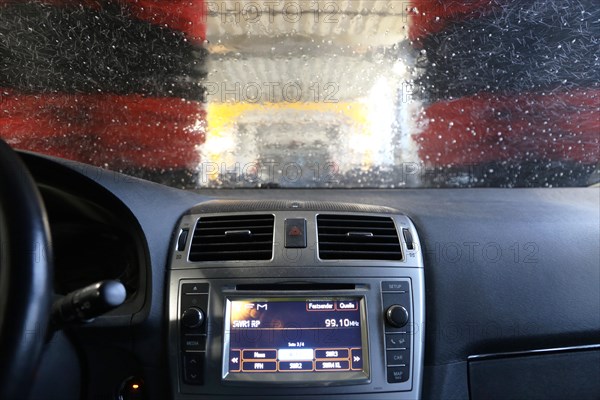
(25, 276)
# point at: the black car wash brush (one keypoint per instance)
(517, 46)
(77, 49)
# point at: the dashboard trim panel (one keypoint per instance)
(291, 265)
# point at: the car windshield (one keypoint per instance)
(308, 93)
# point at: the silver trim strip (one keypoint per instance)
(531, 352)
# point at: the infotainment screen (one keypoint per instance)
(313, 339)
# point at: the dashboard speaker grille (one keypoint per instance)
(357, 237)
(233, 237)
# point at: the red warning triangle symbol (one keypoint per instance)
(295, 231)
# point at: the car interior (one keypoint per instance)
(432, 232)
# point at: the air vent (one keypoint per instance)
(355, 237)
(234, 237)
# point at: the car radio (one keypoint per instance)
(286, 340)
(297, 324)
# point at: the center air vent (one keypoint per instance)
(233, 237)
(356, 237)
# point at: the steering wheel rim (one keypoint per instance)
(26, 272)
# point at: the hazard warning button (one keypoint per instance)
(295, 233)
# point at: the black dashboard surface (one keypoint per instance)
(506, 269)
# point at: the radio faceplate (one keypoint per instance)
(304, 340)
(389, 319)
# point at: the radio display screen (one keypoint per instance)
(295, 338)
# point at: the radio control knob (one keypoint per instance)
(396, 315)
(192, 317)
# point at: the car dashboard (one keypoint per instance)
(324, 293)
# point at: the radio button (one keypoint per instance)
(356, 359)
(397, 341)
(396, 316)
(331, 353)
(193, 342)
(349, 305)
(296, 366)
(235, 361)
(397, 357)
(397, 374)
(194, 288)
(320, 305)
(266, 355)
(394, 286)
(333, 365)
(192, 318)
(259, 366)
(193, 301)
(393, 316)
(193, 368)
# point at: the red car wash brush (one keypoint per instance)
(116, 131)
(518, 85)
(124, 76)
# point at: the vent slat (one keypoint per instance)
(344, 230)
(209, 242)
(230, 246)
(223, 237)
(239, 256)
(360, 227)
(358, 222)
(358, 255)
(234, 222)
(351, 245)
(261, 229)
(339, 236)
(227, 252)
(336, 244)
(236, 243)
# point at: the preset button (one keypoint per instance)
(397, 374)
